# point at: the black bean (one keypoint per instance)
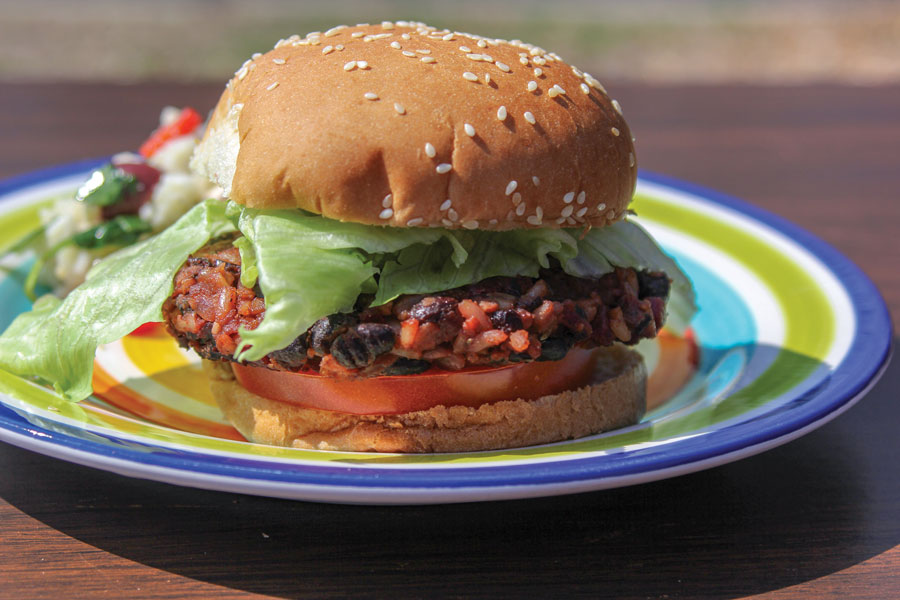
(434, 308)
(653, 284)
(325, 330)
(555, 348)
(407, 366)
(359, 346)
(507, 320)
(292, 356)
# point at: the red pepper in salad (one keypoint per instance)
(188, 120)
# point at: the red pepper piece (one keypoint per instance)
(188, 120)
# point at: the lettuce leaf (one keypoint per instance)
(310, 267)
(57, 340)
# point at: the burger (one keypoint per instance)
(423, 246)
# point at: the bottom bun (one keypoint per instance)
(617, 398)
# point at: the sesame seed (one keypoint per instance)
(570, 221)
(520, 209)
(501, 113)
(567, 211)
(443, 168)
(482, 44)
(561, 220)
(386, 203)
(429, 150)
(470, 224)
(532, 85)
(387, 25)
(487, 78)
(454, 216)
(502, 66)
(539, 60)
(611, 214)
(538, 71)
(350, 65)
(335, 30)
(405, 36)
(585, 89)
(339, 47)
(533, 220)
(601, 207)
(511, 187)
(327, 49)
(569, 197)
(357, 34)
(272, 86)
(370, 96)
(615, 131)
(473, 56)
(278, 61)
(396, 45)
(578, 72)
(581, 212)
(447, 222)
(362, 64)
(470, 131)
(448, 37)
(591, 81)
(255, 55)
(414, 222)
(408, 53)
(539, 212)
(468, 75)
(516, 199)
(465, 49)
(423, 51)
(386, 213)
(558, 89)
(617, 106)
(536, 180)
(581, 196)
(631, 159)
(401, 110)
(529, 117)
(428, 59)
(523, 61)
(446, 205)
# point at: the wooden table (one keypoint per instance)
(819, 517)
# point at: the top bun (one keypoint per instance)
(404, 125)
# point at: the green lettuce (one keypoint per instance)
(57, 340)
(307, 267)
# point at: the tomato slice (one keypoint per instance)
(407, 393)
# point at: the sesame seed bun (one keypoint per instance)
(403, 125)
(616, 399)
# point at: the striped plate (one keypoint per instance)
(789, 332)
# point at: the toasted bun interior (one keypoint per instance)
(404, 125)
(616, 399)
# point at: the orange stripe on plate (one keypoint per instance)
(112, 391)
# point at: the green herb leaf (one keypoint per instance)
(106, 186)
